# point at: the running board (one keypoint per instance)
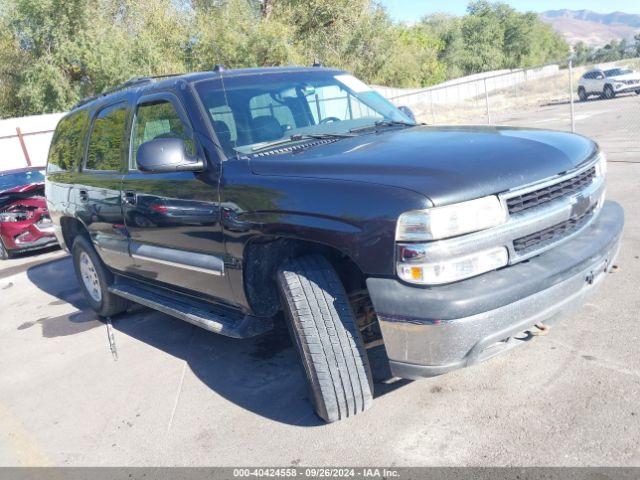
(201, 314)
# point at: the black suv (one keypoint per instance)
(225, 197)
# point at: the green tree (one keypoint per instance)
(581, 53)
(54, 52)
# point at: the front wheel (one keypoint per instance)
(582, 94)
(4, 253)
(608, 92)
(95, 279)
(327, 337)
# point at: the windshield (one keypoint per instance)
(254, 111)
(19, 179)
(614, 72)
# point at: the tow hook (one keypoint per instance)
(542, 329)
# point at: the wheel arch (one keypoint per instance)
(264, 255)
(70, 228)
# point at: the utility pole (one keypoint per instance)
(573, 117)
(486, 102)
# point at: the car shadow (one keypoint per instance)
(260, 374)
(21, 262)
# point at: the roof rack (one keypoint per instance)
(123, 86)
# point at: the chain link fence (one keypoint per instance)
(542, 97)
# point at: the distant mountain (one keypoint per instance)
(593, 28)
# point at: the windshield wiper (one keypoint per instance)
(299, 137)
(383, 123)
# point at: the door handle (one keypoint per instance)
(130, 197)
(84, 195)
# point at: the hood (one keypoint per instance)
(21, 192)
(32, 188)
(445, 164)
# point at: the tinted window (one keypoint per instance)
(255, 110)
(617, 71)
(66, 145)
(107, 137)
(157, 120)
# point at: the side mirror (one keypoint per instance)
(166, 155)
(408, 112)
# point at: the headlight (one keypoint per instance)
(450, 270)
(13, 216)
(451, 220)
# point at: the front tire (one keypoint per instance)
(327, 337)
(582, 94)
(608, 92)
(4, 253)
(94, 279)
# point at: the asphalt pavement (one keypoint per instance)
(179, 395)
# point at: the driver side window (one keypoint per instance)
(331, 101)
(157, 120)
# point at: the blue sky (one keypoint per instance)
(413, 10)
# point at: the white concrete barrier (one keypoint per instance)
(25, 140)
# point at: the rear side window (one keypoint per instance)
(107, 139)
(157, 120)
(65, 152)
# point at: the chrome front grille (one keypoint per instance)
(563, 207)
(552, 234)
(549, 193)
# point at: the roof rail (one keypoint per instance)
(123, 86)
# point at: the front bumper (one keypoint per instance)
(627, 88)
(433, 330)
(27, 236)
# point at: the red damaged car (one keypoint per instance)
(24, 220)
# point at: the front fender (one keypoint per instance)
(357, 219)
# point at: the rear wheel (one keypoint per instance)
(582, 94)
(608, 92)
(327, 337)
(94, 279)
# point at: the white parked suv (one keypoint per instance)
(608, 83)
